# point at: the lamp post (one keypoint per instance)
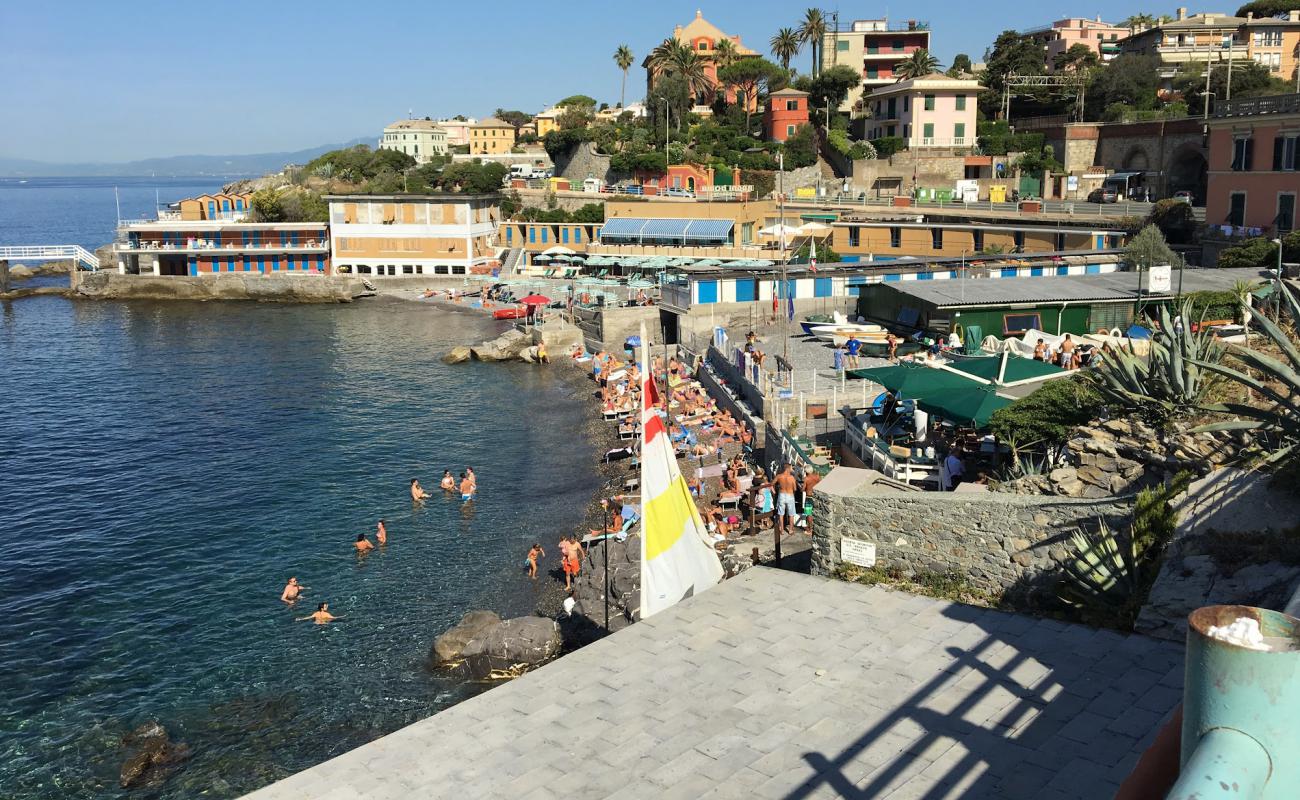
(604, 549)
(664, 100)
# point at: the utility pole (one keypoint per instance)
(1232, 42)
(1205, 99)
(785, 288)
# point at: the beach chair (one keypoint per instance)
(602, 273)
(569, 273)
(548, 273)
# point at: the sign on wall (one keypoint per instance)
(1159, 278)
(856, 551)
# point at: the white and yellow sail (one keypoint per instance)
(677, 556)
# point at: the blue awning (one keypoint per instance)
(641, 229)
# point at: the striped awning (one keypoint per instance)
(666, 229)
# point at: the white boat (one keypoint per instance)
(827, 333)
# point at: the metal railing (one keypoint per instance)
(52, 252)
(1251, 106)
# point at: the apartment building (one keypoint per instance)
(1274, 42)
(1100, 37)
(1197, 39)
(491, 136)
(1254, 171)
(873, 46)
(932, 111)
(211, 247)
(396, 235)
(419, 138)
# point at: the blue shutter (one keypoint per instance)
(194, 266)
(707, 292)
(746, 290)
(1062, 270)
(509, 235)
(1008, 272)
(822, 287)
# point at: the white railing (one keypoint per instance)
(51, 252)
(959, 141)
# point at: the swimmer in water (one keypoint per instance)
(448, 482)
(417, 491)
(381, 533)
(363, 544)
(473, 479)
(320, 616)
(291, 590)
(466, 488)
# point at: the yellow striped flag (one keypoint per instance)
(677, 556)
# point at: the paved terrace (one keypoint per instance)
(781, 685)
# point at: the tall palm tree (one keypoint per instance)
(623, 58)
(785, 46)
(690, 68)
(918, 65)
(662, 53)
(725, 53)
(811, 30)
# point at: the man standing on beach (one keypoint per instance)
(785, 488)
(853, 346)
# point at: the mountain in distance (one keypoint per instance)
(250, 165)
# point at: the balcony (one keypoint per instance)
(934, 141)
(1253, 106)
(197, 246)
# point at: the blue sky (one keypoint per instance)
(113, 80)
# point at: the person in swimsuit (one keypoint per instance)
(473, 479)
(381, 533)
(320, 616)
(448, 481)
(466, 488)
(785, 488)
(417, 491)
(363, 544)
(291, 591)
(534, 553)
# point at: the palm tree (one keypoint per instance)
(690, 68)
(662, 54)
(811, 30)
(785, 46)
(725, 53)
(623, 58)
(1138, 21)
(918, 65)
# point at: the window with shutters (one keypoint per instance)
(1242, 151)
(895, 237)
(1284, 152)
(936, 238)
(1237, 209)
(1285, 214)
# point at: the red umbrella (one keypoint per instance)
(536, 300)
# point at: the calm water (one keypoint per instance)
(84, 210)
(165, 467)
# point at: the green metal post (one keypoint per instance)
(1240, 737)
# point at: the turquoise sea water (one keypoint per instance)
(165, 467)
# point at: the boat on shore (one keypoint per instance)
(510, 313)
(829, 333)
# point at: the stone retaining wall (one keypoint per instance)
(996, 541)
(107, 285)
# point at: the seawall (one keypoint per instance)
(105, 285)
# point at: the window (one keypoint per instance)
(1017, 324)
(874, 73)
(1285, 214)
(1237, 209)
(959, 133)
(1243, 150)
(907, 103)
(855, 237)
(929, 102)
(1284, 153)
(893, 108)
(1060, 242)
(977, 240)
(789, 130)
(408, 269)
(927, 132)
(898, 45)
(704, 45)
(842, 45)
(895, 237)
(791, 105)
(936, 238)
(873, 49)
(1019, 238)
(961, 102)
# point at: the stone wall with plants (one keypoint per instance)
(1000, 543)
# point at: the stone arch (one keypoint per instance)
(1188, 171)
(1137, 160)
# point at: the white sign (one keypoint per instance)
(856, 551)
(1158, 278)
(1072, 183)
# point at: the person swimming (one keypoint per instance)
(417, 491)
(320, 616)
(448, 482)
(363, 544)
(381, 533)
(291, 590)
(467, 487)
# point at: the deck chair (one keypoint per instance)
(602, 273)
(550, 272)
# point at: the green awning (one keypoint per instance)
(914, 381)
(1018, 369)
(820, 217)
(970, 406)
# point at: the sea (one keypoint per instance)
(166, 467)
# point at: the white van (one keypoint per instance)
(521, 171)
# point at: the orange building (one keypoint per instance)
(213, 207)
(702, 37)
(1254, 172)
(787, 111)
(396, 235)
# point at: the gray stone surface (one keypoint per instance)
(780, 685)
(996, 540)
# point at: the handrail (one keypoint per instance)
(51, 252)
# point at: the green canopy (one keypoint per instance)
(914, 381)
(969, 406)
(1018, 369)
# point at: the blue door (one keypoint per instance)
(746, 290)
(822, 287)
(706, 292)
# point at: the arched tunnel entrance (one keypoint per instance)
(1187, 173)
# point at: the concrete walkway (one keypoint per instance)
(780, 685)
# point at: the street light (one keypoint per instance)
(664, 100)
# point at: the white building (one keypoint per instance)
(450, 233)
(418, 138)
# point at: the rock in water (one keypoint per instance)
(524, 641)
(448, 646)
(457, 355)
(152, 757)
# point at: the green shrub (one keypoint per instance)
(1048, 414)
(886, 146)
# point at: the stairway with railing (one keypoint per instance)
(52, 252)
(510, 259)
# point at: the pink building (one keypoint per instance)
(933, 111)
(1254, 173)
(787, 111)
(1100, 37)
(872, 46)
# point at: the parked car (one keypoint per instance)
(677, 191)
(1183, 197)
(1105, 194)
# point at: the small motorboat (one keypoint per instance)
(820, 320)
(510, 313)
(828, 333)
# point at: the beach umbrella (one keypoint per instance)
(779, 229)
(971, 406)
(813, 229)
(536, 300)
(558, 251)
(541, 257)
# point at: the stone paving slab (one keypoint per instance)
(787, 686)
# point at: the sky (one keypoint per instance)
(117, 80)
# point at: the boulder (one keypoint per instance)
(457, 355)
(450, 645)
(151, 757)
(528, 354)
(488, 351)
(521, 642)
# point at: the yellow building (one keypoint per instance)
(396, 235)
(491, 136)
(548, 120)
(1274, 42)
(897, 239)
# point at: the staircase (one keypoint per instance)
(510, 259)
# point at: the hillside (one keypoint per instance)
(250, 164)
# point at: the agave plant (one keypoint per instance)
(1277, 425)
(1171, 380)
